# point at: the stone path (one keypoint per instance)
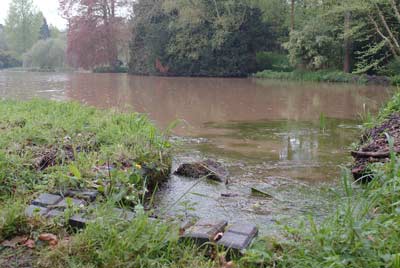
(52, 205)
(236, 237)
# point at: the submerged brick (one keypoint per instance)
(204, 230)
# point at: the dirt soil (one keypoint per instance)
(375, 147)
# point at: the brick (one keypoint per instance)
(78, 221)
(238, 237)
(46, 200)
(33, 210)
(75, 202)
(204, 230)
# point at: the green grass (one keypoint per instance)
(110, 242)
(316, 76)
(51, 146)
(81, 142)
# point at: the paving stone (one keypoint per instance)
(125, 214)
(46, 200)
(238, 237)
(33, 210)
(204, 230)
(78, 221)
(245, 229)
(54, 213)
(88, 195)
(63, 204)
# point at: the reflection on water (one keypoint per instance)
(269, 133)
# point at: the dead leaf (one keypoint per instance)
(229, 264)
(224, 264)
(14, 242)
(29, 243)
(218, 236)
(51, 238)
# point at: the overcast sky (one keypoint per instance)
(48, 7)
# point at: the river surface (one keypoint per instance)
(285, 138)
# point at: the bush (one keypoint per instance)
(46, 54)
(392, 68)
(395, 80)
(273, 61)
(7, 60)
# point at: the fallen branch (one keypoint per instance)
(384, 154)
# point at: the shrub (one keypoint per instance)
(395, 80)
(392, 68)
(7, 60)
(46, 54)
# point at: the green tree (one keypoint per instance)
(22, 25)
(3, 42)
(44, 32)
(198, 38)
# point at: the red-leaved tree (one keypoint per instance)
(95, 29)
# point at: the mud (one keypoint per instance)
(208, 168)
(375, 147)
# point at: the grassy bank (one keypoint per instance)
(49, 147)
(327, 76)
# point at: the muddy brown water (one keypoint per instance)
(289, 139)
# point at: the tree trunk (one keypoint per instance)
(347, 43)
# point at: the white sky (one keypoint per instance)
(49, 9)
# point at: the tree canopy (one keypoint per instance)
(95, 31)
(197, 38)
(22, 25)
